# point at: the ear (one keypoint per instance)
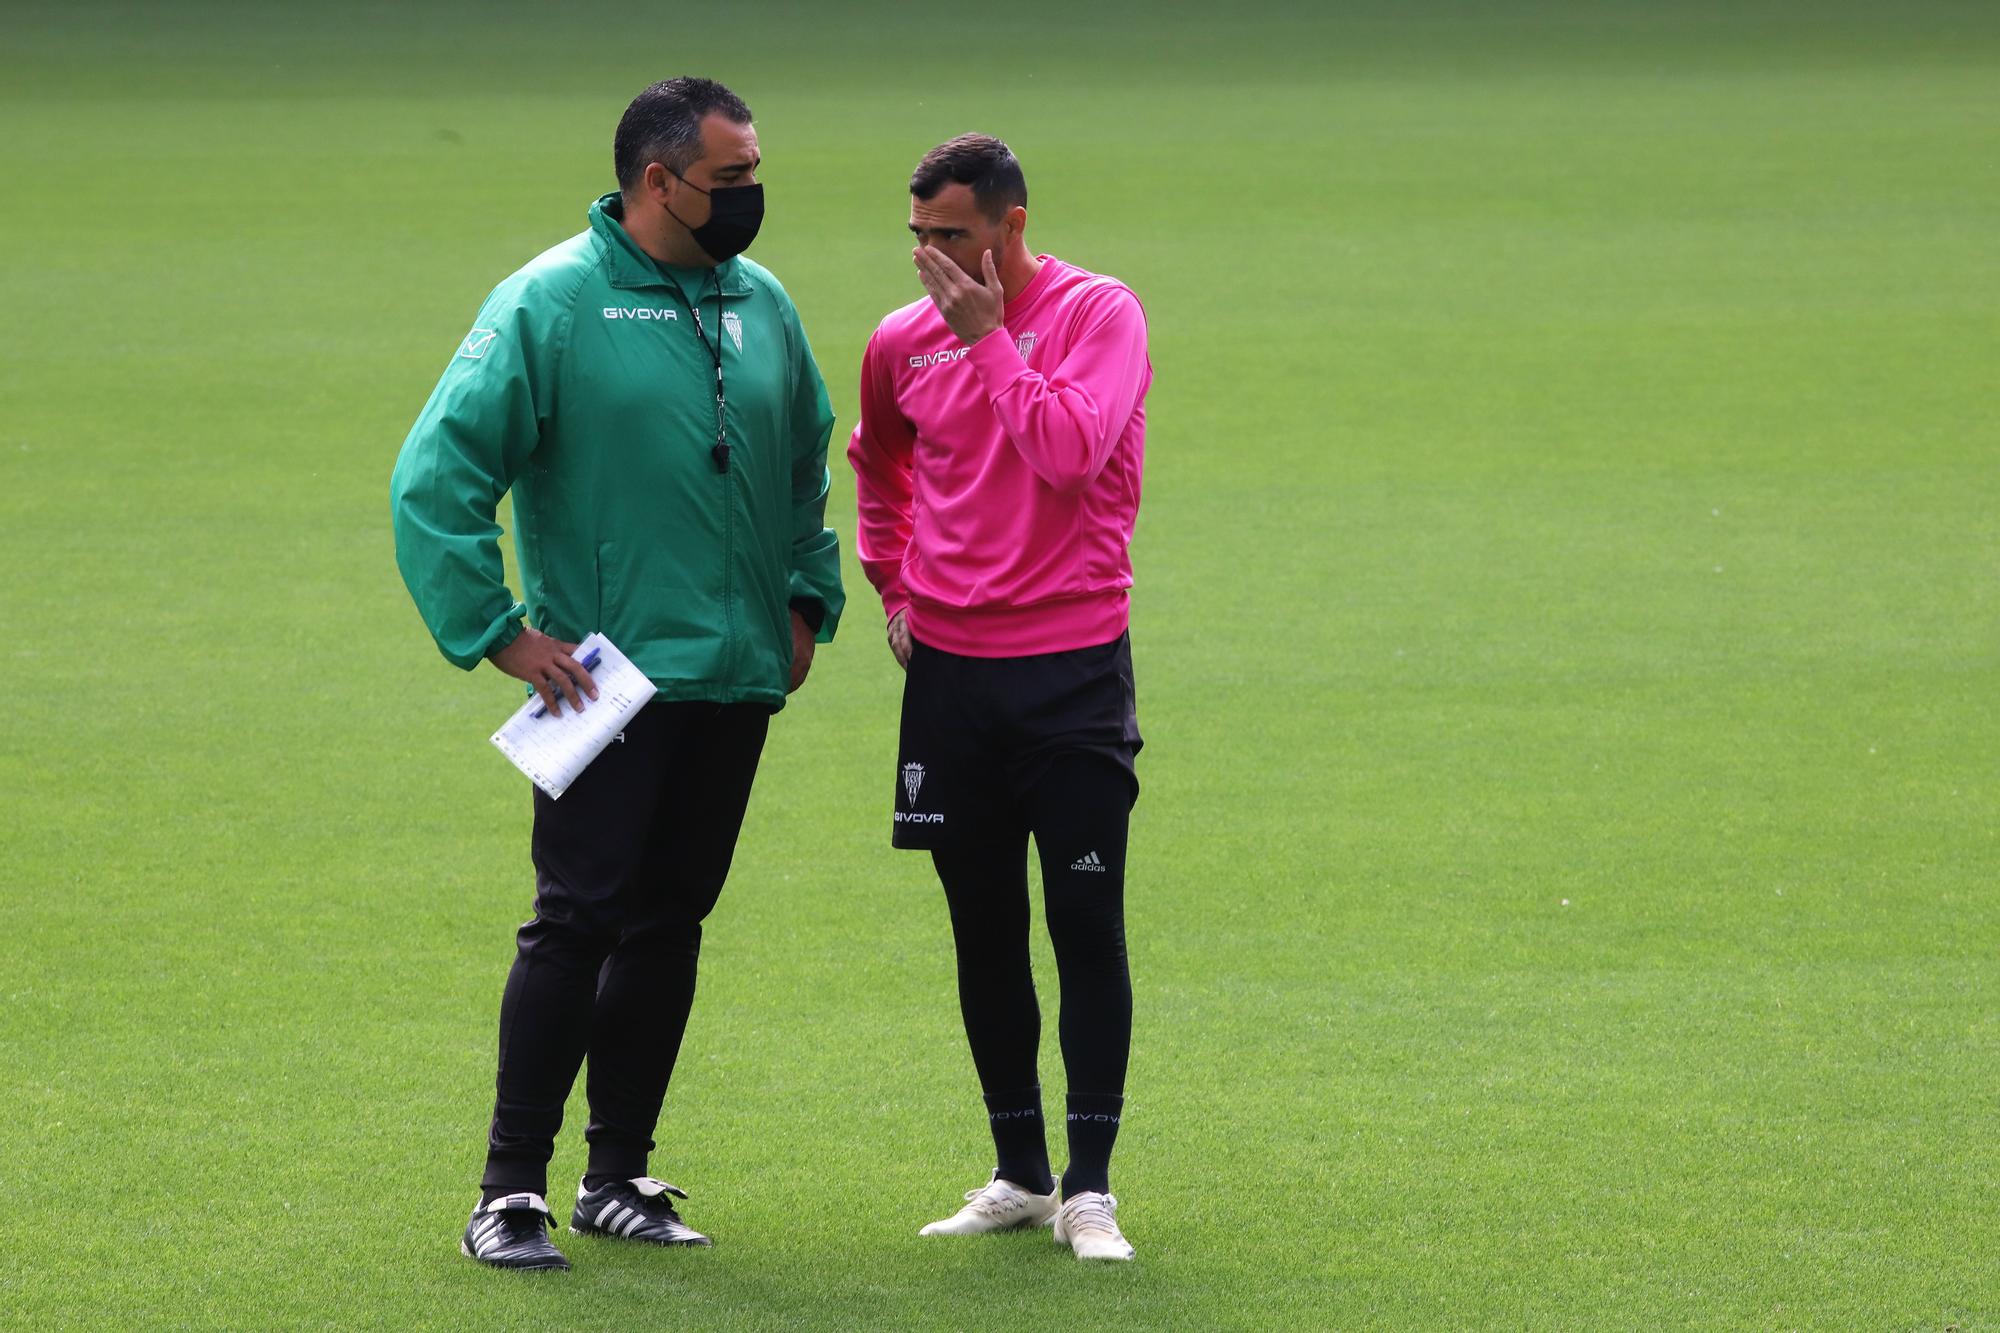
(1016, 221)
(657, 180)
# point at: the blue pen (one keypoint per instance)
(588, 664)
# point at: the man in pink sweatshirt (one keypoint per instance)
(997, 462)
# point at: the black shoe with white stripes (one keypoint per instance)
(635, 1209)
(512, 1232)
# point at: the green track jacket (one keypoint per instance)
(586, 390)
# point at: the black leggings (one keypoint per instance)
(1078, 813)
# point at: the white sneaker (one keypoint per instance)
(999, 1206)
(1088, 1224)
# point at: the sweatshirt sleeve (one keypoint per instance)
(815, 575)
(1065, 424)
(468, 444)
(884, 489)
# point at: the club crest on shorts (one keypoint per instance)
(913, 780)
(732, 323)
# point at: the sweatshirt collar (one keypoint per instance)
(1036, 288)
(629, 266)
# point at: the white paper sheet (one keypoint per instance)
(553, 748)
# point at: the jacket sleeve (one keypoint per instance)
(884, 489)
(1065, 424)
(815, 573)
(469, 443)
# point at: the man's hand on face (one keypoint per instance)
(546, 664)
(802, 651)
(972, 309)
(899, 639)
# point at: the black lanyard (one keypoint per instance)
(720, 453)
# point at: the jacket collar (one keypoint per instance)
(629, 266)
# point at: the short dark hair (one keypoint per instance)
(663, 125)
(978, 160)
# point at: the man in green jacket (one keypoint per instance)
(650, 400)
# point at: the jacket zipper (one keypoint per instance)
(729, 645)
(728, 565)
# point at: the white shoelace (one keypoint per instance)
(1094, 1214)
(991, 1202)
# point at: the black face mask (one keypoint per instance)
(735, 213)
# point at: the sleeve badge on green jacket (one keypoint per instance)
(476, 343)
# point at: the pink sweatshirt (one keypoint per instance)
(997, 486)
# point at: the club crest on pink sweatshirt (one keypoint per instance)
(997, 485)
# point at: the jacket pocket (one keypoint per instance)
(644, 596)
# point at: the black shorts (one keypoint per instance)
(979, 732)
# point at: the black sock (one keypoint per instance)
(1093, 1128)
(488, 1193)
(1018, 1141)
(599, 1182)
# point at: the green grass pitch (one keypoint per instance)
(1567, 632)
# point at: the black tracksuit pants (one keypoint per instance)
(627, 864)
